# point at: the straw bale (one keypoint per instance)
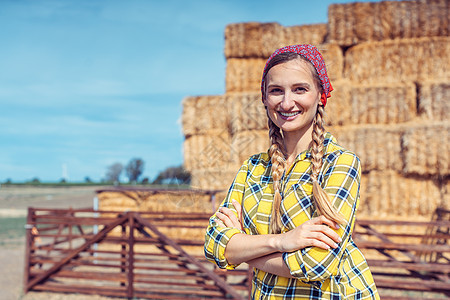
(371, 104)
(402, 60)
(244, 75)
(202, 114)
(305, 34)
(425, 149)
(252, 40)
(338, 110)
(149, 201)
(334, 60)
(246, 143)
(212, 150)
(378, 147)
(434, 99)
(116, 201)
(213, 179)
(387, 193)
(260, 40)
(353, 23)
(247, 112)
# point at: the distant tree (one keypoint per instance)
(113, 172)
(63, 180)
(173, 175)
(8, 181)
(87, 179)
(35, 180)
(145, 180)
(134, 169)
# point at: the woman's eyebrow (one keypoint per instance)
(302, 84)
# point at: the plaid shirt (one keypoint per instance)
(340, 273)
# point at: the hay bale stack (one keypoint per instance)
(353, 23)
(388, 63)
(402, 60)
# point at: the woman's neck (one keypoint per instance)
(296, 142)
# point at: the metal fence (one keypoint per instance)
(159, 255)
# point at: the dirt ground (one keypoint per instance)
(14, 202)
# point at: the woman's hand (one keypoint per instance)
(227, 217)
(316, 232)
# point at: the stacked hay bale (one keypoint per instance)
(389, 65)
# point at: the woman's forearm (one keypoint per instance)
(245, 247)
(272, 263)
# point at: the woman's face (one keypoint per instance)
(292, 95)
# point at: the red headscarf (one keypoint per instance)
(313, 55)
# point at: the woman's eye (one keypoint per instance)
(275, 91)
(300, 90)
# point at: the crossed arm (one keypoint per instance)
(308, 251)
(264, 252)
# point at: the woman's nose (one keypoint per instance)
(288, 102)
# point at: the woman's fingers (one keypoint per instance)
(324, 239)
(228, 217)
(219, 221)
(326, 221)
(238, 208)
(327, 230)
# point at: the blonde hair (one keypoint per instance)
(277, 155)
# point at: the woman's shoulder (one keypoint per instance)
(335, 150)
(257, 165)
(258, 159)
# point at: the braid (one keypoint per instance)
(278, 160)
(321, 198)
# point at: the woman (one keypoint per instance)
(290, 212)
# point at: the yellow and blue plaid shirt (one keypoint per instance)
(340, 273)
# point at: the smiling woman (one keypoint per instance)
(290, 212)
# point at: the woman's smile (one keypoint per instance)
(288, 116)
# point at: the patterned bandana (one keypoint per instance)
(313, 55)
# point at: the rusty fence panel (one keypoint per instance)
(123, 254)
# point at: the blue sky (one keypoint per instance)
(86, 84)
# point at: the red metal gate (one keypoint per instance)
(123, 254)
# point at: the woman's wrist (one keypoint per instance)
(274, 241)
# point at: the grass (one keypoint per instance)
(12, 230)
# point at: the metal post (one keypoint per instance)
(28, 246)
(130, 291)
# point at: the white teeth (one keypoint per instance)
(289, 114)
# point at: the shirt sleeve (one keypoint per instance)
(217, 237)
(341, 182)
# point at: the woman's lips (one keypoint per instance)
(288, 115)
